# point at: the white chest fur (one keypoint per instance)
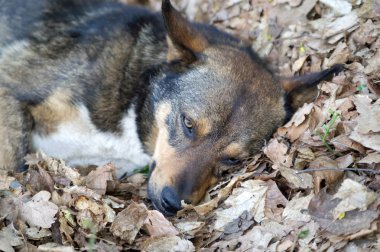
(79, 142)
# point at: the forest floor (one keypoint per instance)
(314, 187)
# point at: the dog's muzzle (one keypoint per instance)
(168, 202)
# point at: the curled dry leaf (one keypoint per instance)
(307, 118)
(83, 203)
(190, 228)
(353, 196)
(55, 166)
(137, 179)
(157, 225)
(277, 152)
(129, 222)
(249, 197)
(82, 190)
(327, 177)
(97, 179)
(207, 207)
(39, 211)
(297, 65)
(275, 202)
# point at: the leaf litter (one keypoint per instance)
(315, 187)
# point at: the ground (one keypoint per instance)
(314, 187)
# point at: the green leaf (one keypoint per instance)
(361, 87)
(303, 234)
(341, 215)
(144, 170)
(69, 217)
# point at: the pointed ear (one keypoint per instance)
(184, 41)
(303, 89)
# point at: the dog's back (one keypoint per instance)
(62, 60)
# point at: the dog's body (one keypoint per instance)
(95, 81)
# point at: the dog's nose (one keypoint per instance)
(170, 201)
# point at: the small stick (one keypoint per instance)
(338, 169)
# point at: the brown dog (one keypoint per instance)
(93, 81)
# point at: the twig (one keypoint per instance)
(338, 170)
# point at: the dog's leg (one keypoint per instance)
(15, 126)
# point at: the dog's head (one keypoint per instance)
(215, 106)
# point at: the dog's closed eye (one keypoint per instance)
(231, 161)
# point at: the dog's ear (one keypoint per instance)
(302, 89)
(184, 41)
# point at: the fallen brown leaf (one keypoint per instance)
(157, 225)
(129, 221)
(98, 178)
(325, 177)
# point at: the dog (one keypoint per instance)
(93, 81)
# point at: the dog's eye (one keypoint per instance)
(187, 124)
(231, 161)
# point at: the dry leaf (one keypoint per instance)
(35, 233)
(340, 6)
(190, 228)
(249, 197)
(10, 237)
(372, 158)
(368, 120)
(327, 177)
(40, 180)
(297, 65)
(205, 208)
(129, 221)
(167, 244)
(353, 196)
(157, 225)
(341, 24)
(302, 180)
(5, 181)
(97, 179)
(53, 247)
(321, 208)
(344, 143)
(277, 152)
(295, 209)
(137, 179)
(371, 141)
(275, 202)
(39, 211)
